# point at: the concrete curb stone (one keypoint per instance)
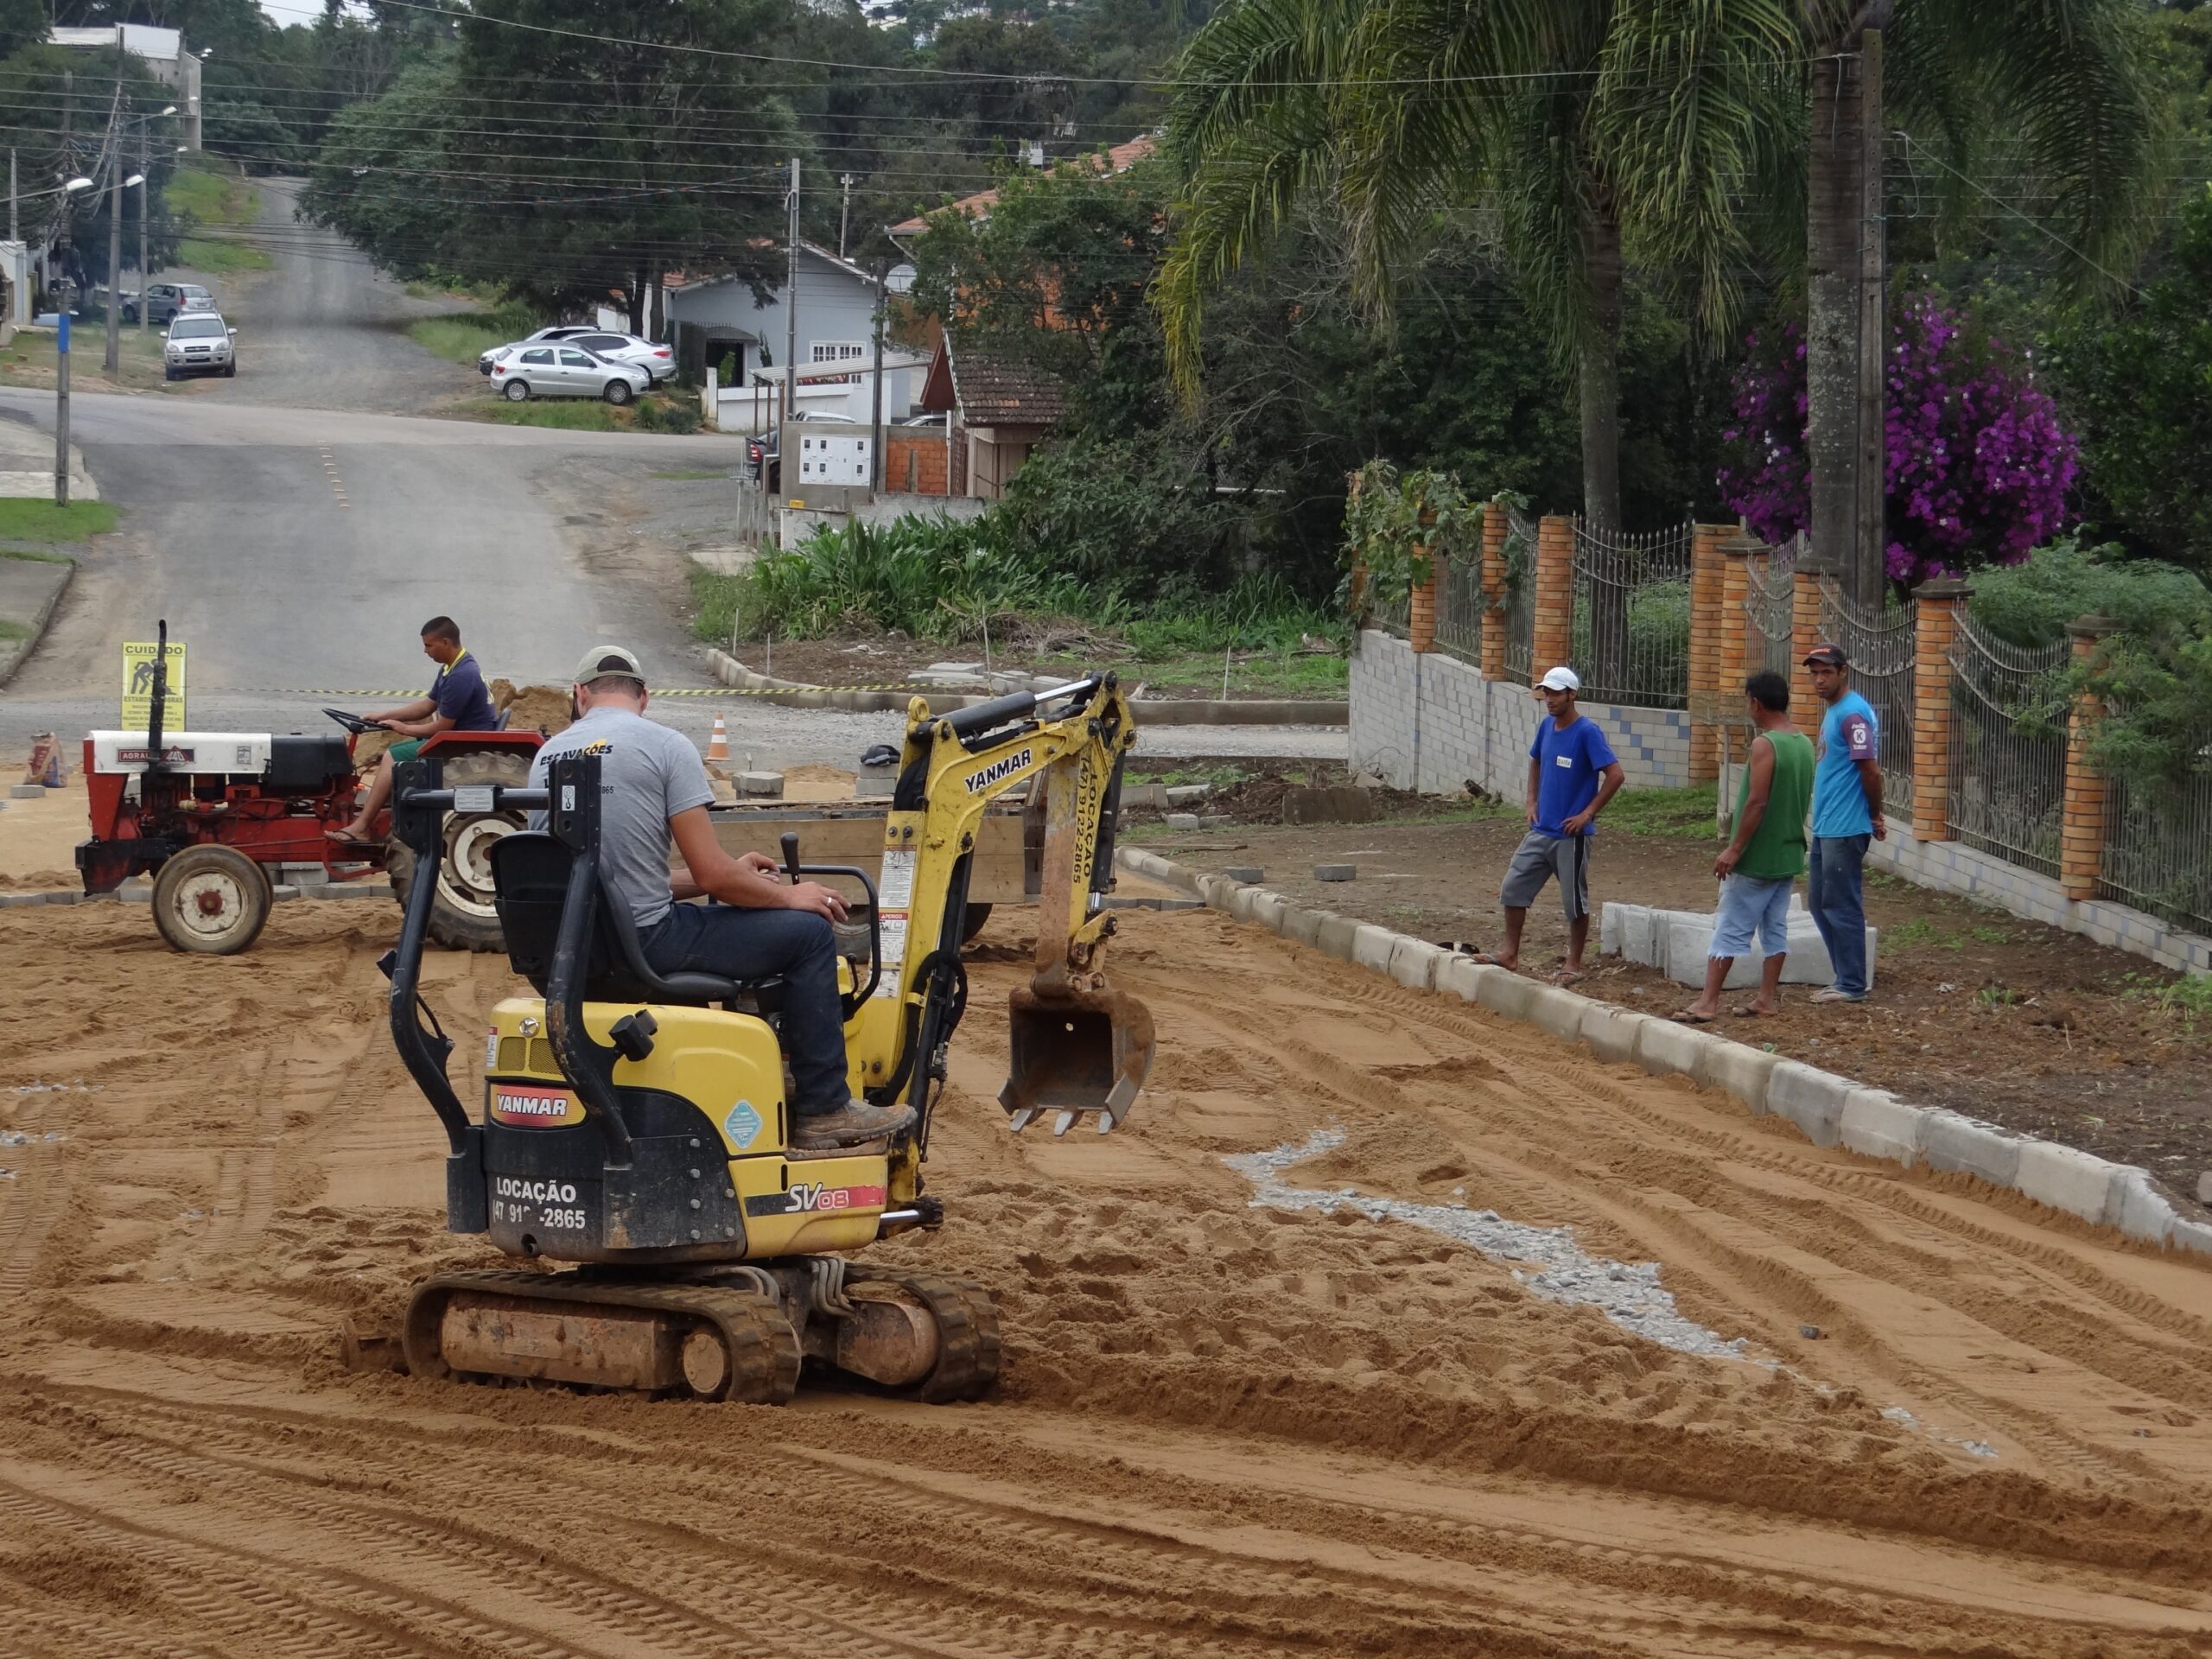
(1826, 1108)
(1957, 1144)
(1812, 1099)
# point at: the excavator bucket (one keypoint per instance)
(1076, 1051)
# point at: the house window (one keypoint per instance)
(834, 351)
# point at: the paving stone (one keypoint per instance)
(875, 785)
(1249, 872)
(21, 900)
(1371, 947)
(27, 791)
(1413, 964)
(1335, 871)
(1334, 937)
(1877, 1124)
(1215, 820)
(349, 891)
(1182, 820)
(1955, 1143)
(1185, 794)
(2139, 1210)
(1610, 1031)
(768, 785)
(2068, 1178)
(282, 891)
(1812, 1099)
(135, 896)
(2204, 1187)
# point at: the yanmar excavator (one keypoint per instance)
(636, 1124)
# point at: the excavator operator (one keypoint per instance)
(653, 789)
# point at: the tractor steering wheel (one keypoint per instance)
(352, 723)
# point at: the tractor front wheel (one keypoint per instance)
(210, 901)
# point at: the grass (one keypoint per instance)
(466, 335)
(568, 415)
(2188, 998)
(691, 472)
(206, 192)
(11, 629)
(1284, 673)
(715, 599)
(30, 519)
(1669, 814)
(28, 557)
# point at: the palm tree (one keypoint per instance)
(2064, 78)
(1590, 129)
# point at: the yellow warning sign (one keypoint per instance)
(138, 687)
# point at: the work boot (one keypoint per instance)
(851, 1125)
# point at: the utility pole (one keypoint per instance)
(111, 359)
(61, 299)
(15, 232)
(1869, 564)
(844, 211)
(791, 310)
(878, 469)
(145, 206)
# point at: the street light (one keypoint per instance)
(75, 185)
(136, 178)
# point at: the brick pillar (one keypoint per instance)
(1804, 634)
(1554, 636)
(1727, 625)
(1707, 574)
(1938, 608)
(1496, 525)
(2081, 843)
(1420, 618)
(1750, 649)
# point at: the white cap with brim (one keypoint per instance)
(1561, 679)
(606, 662)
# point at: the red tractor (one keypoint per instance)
(211, 814)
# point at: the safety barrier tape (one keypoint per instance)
(658, 691)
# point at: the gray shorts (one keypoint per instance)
(1537, 860)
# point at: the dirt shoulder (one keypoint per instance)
(1973, 1008)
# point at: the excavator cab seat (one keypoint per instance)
(530, 878)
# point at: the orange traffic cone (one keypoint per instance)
(718, 745)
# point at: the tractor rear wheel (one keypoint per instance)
(210, 901)
(461, 915)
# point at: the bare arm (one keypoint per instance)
(1870, 780)
(1609, 784)
(414, 710)
(1754, 812)
(429, 728)
(740, 881)
(1535, 778)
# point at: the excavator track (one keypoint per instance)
(968, 1332)
(712, 1343)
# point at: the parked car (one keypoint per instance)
(558, 331)
(560, 369)
(764, 460)
(656, 361)
(200, 342)
(167, 301)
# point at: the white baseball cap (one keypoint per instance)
(1561, 679)
(602, 662)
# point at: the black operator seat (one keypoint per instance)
(530, 880)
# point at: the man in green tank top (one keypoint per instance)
(1762, 862)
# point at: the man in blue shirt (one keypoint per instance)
(1572, 774)
(1846, 818)
(457, 701)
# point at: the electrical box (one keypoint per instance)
(823, 459)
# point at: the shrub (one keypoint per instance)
(1123, 516)
(2031, 604)
(668, 415)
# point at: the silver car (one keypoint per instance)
(558, 331)
(165, 301)
(200, 342)
(659, 361)
(558, 369)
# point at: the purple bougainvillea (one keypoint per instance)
(1978, 465)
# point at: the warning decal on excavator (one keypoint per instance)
(534, 1109)
(894, 892)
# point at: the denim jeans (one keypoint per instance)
(739, 944)
(1832, 895)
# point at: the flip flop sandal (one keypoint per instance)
(1747, 1012)
(1567, 976)
(1689, 1017)
(346, 838)
(1489, 961)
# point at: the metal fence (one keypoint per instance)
(1391, 615)
(2158, 851)
(1881, 646)
(2008, 786)
(1459, 610)
(1769, 600)
(1631, 628)
(1520, 596)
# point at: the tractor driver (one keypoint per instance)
(653, 790)
(457, 701)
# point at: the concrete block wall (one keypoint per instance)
(1427, 721)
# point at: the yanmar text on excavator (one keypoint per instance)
(636, 1124)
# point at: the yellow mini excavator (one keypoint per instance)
(636, 1124)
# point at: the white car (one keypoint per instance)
(558, 331)
(559, 368)
(658, 361)
(200, 342)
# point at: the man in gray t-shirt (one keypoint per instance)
(653, 791)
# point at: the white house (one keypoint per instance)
(739, 334)
(166, 60)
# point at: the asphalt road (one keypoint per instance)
(295, 527)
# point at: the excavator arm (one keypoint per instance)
(1078, 1046)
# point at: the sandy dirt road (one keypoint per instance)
(1223, 1429)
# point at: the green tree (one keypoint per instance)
(1537, 115)
(2062, 82)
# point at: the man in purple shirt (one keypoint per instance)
(457, 701)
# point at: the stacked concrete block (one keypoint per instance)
(1678, 942)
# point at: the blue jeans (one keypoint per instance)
(1832, 895)
(739, 943)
